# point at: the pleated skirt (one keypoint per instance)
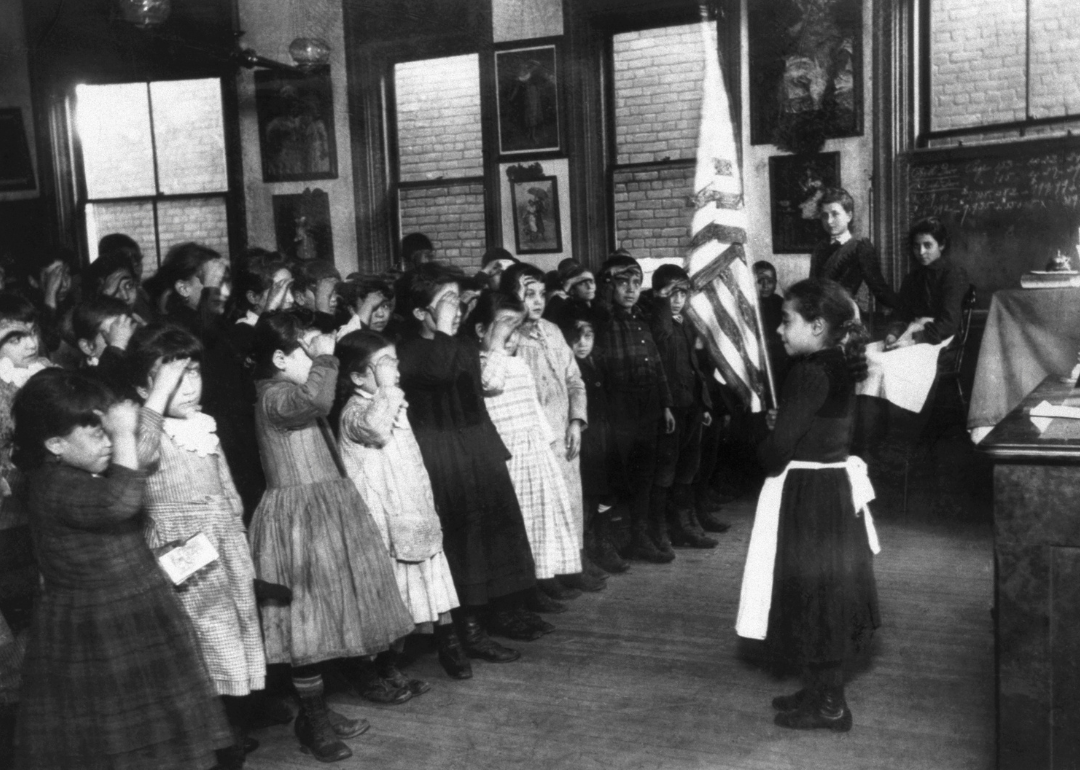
(320, 541)
(113, 680)
(824, 602)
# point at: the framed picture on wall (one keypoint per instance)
(806, 72)
(16, 166)
(302, 225)
(796, 183)
(296, 125)
(534, 200)
(527, 81)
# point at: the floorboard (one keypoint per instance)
(650, 675)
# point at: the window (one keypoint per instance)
(657, 77)
(440, 160)
(153, 164)
(989, 66)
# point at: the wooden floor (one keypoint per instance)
(650, 674)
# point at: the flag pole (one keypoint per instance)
(703, 7)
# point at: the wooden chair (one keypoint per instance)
(950, 363)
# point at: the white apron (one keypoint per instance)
(756, 596)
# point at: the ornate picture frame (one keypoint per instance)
(534, 200)
(296, 125)
(528, 98)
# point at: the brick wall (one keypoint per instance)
(438, 117)
(452, 217)
(978, 60)
(652, 211)
(658, 76)
(1055, 58)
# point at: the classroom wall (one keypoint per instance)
(15, 81)
(269, 27)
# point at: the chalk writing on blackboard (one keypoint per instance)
(1012, 179)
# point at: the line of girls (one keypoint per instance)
(425, 478)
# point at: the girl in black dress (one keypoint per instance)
(808, 588)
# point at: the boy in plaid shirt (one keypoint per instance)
(640, 401)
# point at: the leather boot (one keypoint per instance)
(387, 666)
(791, 702)
(710, 522)
(451, 654)
(582, 581)
(657, 524)
(316, 735)
(345, 727)
(512, 625)
(589, 567)
(642, 547)
(477, 644)
(554, 588)
(683, 534)
(828, 711)
(538, 601)
(373, 687)
(604, 552)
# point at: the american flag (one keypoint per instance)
(723, 306)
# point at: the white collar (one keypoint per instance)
(194, 434)
(843, 238)
(249, 318)
(18, 375)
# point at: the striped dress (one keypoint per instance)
(510, 395)
(383, 459)
(562, 396)
(313, 533)
(191, 491)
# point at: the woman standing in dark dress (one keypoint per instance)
(808, 588)
(484, 536)
(844, 258)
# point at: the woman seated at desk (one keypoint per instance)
(932, 294)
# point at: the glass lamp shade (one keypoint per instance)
(309, 52)
(145, 13)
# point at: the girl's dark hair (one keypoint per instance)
(14, 308)
(837, 195)
(53, 403)
(494, 254)
(88, 315)
(418, 287)
(119, 242)
(573, 327)
(181, 263)
(816, 298)
(933, 227)
(159, 340)
(762, 265)
(412, 243)
(514, 276)
(98, 271)
(353, 291)
(354, 351)
(668, 274)
(488, 305)
(278, 330)
(255, 273)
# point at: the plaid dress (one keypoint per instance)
(510, 394)
(112, 678)
(191, 492)
(563, 398)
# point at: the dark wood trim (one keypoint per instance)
(654, 165)
(235, 201)
(489, 127)
(1020, 126)
(925, 83)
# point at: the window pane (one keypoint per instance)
(438, 118)
(658, 79)
(202, 220)
(977, 62)
(114, 131)
(653, 210)
(190, 136)
(453, 217)
(134, 218)
(1055, 58)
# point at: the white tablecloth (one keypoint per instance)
(903, 376)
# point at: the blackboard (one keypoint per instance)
(1008, 207)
